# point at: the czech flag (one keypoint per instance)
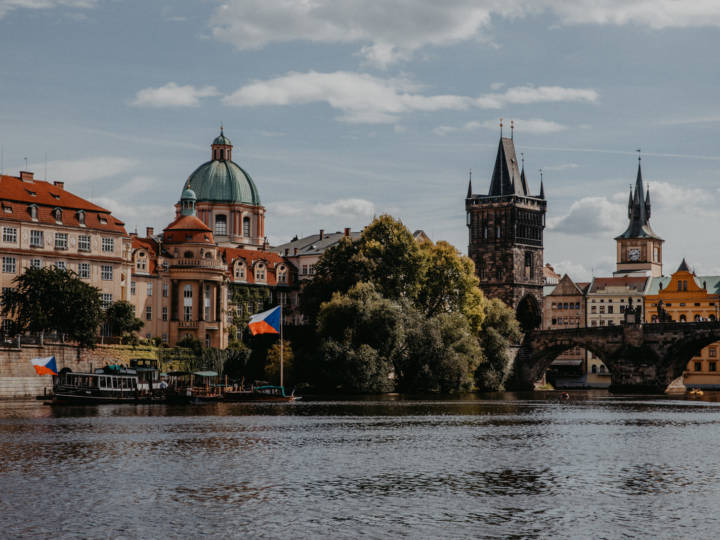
(45, 366)
(267, 322)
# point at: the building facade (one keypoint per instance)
(685, 297)
(506, 236)
(45, 225)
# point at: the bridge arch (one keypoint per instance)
(688, 346)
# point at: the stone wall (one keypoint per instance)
(18, 379)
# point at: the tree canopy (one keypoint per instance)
(120, 316)
(394, 313)
(51, 299)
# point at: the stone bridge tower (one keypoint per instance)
(506, 237)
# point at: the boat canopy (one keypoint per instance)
(206, 373)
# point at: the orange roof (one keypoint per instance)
(188, 223)
(17, 195)
(149, 245)
(251, 256)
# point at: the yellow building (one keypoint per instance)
(685, 297)
(45, 225)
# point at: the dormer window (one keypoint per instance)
(33, 212)
(57, 214)
(259, 272)
(55, 196)
(7, 208)
(239, 273)
(81, 217)
(102, 219)
(31, 193)
(282, 274)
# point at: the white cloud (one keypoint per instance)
(346, 208)
(173, 95)
(85, 170)
(138, 215)
(591, 216)
(393, 30)
(6, 6)
(364, 98)
(532, 125)
(561, 167)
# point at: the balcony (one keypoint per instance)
(189, 324)
(197, 263)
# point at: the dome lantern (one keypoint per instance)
(221, 147)
(187, 202)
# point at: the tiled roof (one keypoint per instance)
(251, 256)
(151, 247)
(313, 245)
(18, 195)
(630, 283)
(188, 223)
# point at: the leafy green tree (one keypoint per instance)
(499, 331)
(120, 316)
(51, 299)
(360, 333)
(272, 368)
(236, 362)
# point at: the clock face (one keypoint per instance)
(634, 254)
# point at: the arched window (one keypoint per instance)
(711, 318)
(602, 368)
(221, 224)
(698, 318)
(593, 369)
(260, 272)
(683, 318)
(246, 227)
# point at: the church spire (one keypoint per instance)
(469, 193)
(639, 210)
(506, 177)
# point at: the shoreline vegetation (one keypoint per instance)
(386, 314)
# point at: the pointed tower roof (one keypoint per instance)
(469, 193)
(506, 177)
(542, 190)
(683, 266)
(639, 212)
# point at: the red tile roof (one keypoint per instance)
(188, 223)
(251, 256)
(151, 247)
(635, 283)
(19, 195)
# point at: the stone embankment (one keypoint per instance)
(18, 379)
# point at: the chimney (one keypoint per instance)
(59, 184)
(149, 231)
(26, 176)
(322, 234)
(347, 231)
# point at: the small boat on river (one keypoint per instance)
(266, 393)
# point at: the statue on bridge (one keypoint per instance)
(662, 314)
(633, 315)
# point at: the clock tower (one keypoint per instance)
(639, 249)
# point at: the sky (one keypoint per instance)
(345, 109)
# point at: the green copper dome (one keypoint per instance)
(223, 181)
(188, 194)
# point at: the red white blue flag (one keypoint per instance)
(267, 322)
(45, 366)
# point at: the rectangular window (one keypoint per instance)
(106, 299)
(83, 242)
(610, 309)
(35, 263)
(84, 270)
(712, 352)
(712, 366)
(60, 265)
(8, 265)
(164, 313)
(304, 269)
(187, 313)
(36, 239)
(165, 289)
(149, 288)
(148, 313)
(698, 366)
(108, 245)
(132, 288)
(61, 241)
(10, 235)
(164, 338)
(106, 272)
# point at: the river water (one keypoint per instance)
(486, 466)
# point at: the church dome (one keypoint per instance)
(221, 179)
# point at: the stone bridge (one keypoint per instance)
(640, 357)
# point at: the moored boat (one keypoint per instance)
(112, 384)
(260, 393)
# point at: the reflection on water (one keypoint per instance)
(496, 465)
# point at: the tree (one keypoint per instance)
(120, 317)
(386, 255)
(272, 368)
(360, 332)
(499, 330)
(52, 299)
(236, 362)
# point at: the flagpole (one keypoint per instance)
(281, 341)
